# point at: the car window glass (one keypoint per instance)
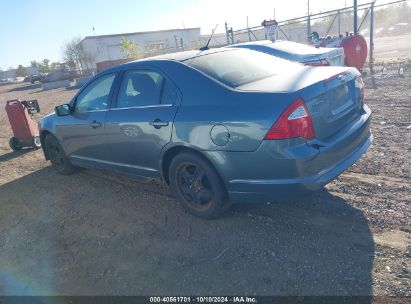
(95, 95)
(140, 88)
(238, 67)
(168, 93)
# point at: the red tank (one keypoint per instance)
(25, 130)
(355, 50)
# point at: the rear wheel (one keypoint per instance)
(197, 186)
(58, 158)
(15, 144)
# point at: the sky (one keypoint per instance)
(37, 29)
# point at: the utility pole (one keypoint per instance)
(227, 33)
(248, 31)
(308, 19)
(339, 23)
(371, 58)
(355, 17)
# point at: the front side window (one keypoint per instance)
(96, 95)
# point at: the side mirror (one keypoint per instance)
(63, 110)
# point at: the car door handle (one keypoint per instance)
(158, 123)
(96, 124)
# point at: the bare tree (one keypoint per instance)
(71, 51)
(75, 56)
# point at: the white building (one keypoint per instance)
(107, 47)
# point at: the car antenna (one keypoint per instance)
(205, 48)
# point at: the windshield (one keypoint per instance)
(238, 67)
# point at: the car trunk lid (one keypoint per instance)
(331, 94)
(334, 106)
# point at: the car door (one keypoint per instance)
(140, 122)
(82, 132)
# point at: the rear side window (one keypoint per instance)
(144, 88)
(168, 92)
(238, 67)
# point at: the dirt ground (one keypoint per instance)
(392, 48)
(94, 233)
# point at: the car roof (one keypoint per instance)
(183, 56)
(179, 56)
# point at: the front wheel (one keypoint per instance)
(58, 158)
(197, 186)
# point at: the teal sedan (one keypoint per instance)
(219, 126)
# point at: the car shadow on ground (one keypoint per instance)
(83, 234)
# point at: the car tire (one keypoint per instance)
(197, 186)
(15, 144)
(58, 158)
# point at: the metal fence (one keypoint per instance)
(332, 23)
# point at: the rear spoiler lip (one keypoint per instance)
(340, 76)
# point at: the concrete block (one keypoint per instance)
(56, 85)
(79, 82)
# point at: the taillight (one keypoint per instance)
(321, 62)
(294, 122)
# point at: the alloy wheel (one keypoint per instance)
(194, 186)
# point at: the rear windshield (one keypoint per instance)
(238, 67)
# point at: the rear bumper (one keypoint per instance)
(281, 168)
(261, 191)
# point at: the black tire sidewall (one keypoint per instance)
(67, 167)
(220, 197)
(14, 144)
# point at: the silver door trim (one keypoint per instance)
(143, 107)
(113, 163)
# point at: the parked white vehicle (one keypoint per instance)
(299, 52)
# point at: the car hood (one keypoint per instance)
(46, 122)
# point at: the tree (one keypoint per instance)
(34, 64)
(44, 66)
(55, 66)
(21, 71)
(74, 54)
(130, 49)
